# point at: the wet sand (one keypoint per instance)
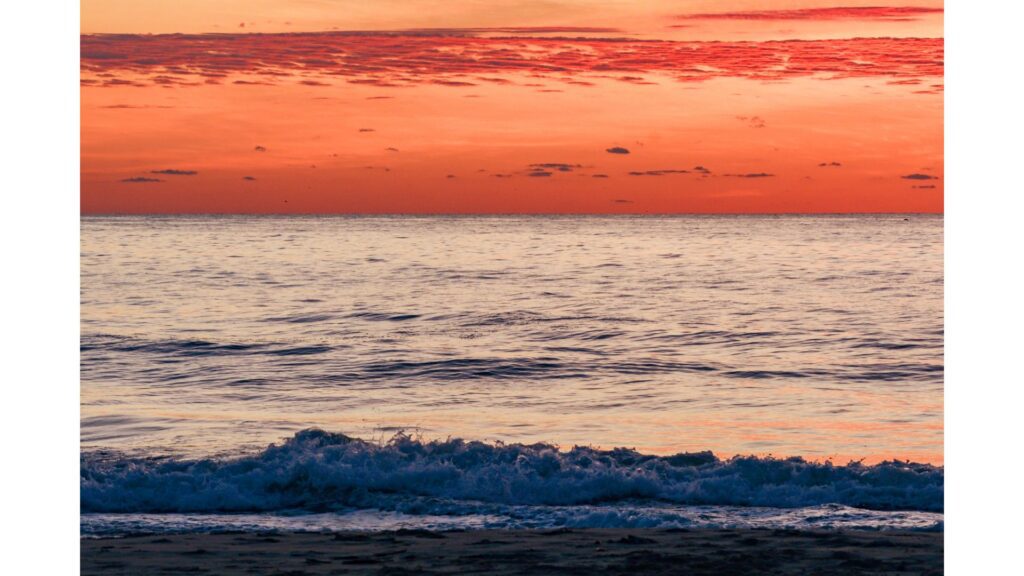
(497, 552)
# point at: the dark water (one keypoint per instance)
(792, 336)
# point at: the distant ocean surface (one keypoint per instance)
(511, 372)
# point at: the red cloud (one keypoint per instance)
(390, 60)
(837, 13)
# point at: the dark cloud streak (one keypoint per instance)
(896, 13)
(559, 166)
(174, 172)
(659, 172)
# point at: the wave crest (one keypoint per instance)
(322, 471)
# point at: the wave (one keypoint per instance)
(318, 471)
(829, 517)
(532, 363)
(188, 348)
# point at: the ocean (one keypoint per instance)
(373, 372)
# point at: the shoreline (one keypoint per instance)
(513, 552)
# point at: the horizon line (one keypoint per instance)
(426, 214)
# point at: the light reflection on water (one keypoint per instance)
(815, 517)
(812, 336)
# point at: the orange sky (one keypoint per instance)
(524, 107)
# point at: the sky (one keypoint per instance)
(527, 106)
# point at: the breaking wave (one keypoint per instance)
(318, 471)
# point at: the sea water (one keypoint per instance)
(511, 371)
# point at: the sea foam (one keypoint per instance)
(318, 471)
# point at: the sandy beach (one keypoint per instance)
(633, 551)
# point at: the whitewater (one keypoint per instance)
(454, 483)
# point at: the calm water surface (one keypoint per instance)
(812, 336)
